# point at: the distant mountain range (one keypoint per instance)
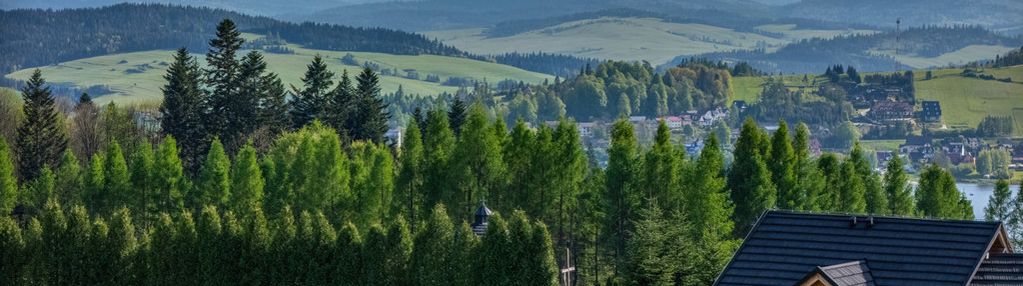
(257, 7)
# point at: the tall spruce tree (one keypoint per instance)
(243, 108)
(370, 110)
(479, 167)
(782, 164)
(183, 109)
(341, 106)
(662, 170)
(456, 114)
(999, 206)
(222, 78)
(897, 189)
(411, 175)
(622, 197)
(41, 137)
(749, 179)
(274, 113)
(310, 102)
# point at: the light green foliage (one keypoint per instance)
(656, 248)
(662, 171)
(433, 258)
(478, 172)
(998, 208)
(116, 180)
(141, 169)
(69, 184)
(622, 197)
(783, 166)
(38, 191)
(168, 177)
(411, 175)
(372, 181)
(214, 184)
(246, 181)
(897, 189)
(851, 192)
(8, 181)
(937, 196)
(749, 179)
(438, 146)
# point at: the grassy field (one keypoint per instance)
(881, 145)
(749, 88)
(137, 77)
(648, 39)
(962, 56)
(964, 101)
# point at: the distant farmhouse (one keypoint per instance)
(930, 111)
(794, 248)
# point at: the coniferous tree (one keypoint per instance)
(69, 184)
(243, 108)
(341, 106)
(117, 180)
(662, 170)
(809, 180)
(95, 195)
(182, 110)
(168, 177)
(223, 79)
(214, 184)
(897, 189)
(749, 179)
(567, 185)
(140, 167)
(998, 207)
(411, 174)
(622, 194)
(8, 181)
(518, 162)
(851, 192)
(654, 257)
(41, 137)
(827, 199)
(13, 254)
(274, 114)
(370, 110)
(39, 191)
(438, 148)
(782, 166)
(456, 114)
(310, 102)
(349, 245)
(246, 181)
(479, 166)
(876, 199)
(937, 195)
(433, 254)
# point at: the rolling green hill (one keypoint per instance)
(964, 101)
(627, 38)
(137, 77)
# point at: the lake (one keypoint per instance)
(979, 194)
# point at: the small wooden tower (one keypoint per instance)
(479, 225)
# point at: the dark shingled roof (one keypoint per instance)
(785, 246)
(1000, 269)
(854, 273)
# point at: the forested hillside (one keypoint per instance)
(995, 14)
(876, 52)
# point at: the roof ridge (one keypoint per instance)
(835, 213)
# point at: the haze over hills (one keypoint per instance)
(993, 14)
(258, 7)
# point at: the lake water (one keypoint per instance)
(979, 194)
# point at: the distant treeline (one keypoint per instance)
(43, 37)
(718, 18)
(812, 55)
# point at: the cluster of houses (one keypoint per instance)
(922, 150)
(887, 111)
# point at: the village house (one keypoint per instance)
(891, 111)
(586, 129)
(930, 111)
(812, 249)
(674, 122)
